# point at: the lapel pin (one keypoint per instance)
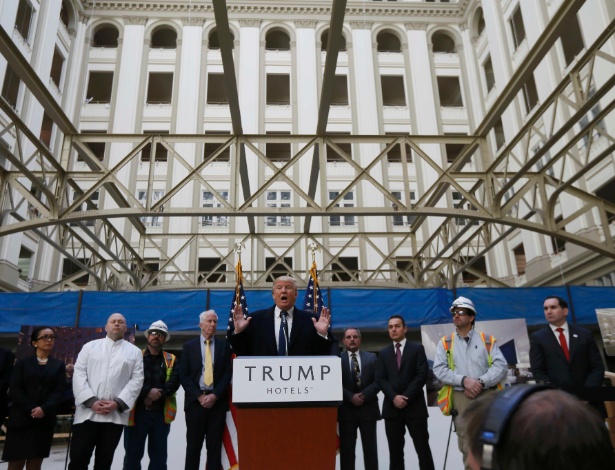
(575, 336)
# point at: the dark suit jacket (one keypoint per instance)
(408, 381)
(191, 368)
(369, 411)
(549, 364)
(32, 385)
(259, 339)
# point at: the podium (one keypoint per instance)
(287, 411)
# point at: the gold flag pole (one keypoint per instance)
(238, 269)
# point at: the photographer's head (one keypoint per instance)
(548, 429)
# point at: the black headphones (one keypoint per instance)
(498, 415)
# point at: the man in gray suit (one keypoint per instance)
(360, 406)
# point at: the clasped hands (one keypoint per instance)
(104, 407)
(207, 401)
(472, 387)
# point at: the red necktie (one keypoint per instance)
(563, 343)
(398, 355)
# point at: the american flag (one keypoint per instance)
(229, 439)
(313, 297)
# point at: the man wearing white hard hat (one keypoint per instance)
(156, 406)
(469, 363)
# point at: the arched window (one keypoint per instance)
(164, 38)
(105, 36)
(388, 42)
(479, 21)
(442, 42)
(277, 40)
(214, 42)
(324, 39)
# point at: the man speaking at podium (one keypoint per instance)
(282, 330)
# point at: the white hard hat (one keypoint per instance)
(158, 325)
(463, 302)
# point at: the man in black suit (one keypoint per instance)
(566, 355)
(205, 373)
(360, 406)
(282, 330)
(401, 372)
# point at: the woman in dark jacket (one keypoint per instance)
(35, 389)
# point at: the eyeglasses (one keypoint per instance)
(46, 338)
(159, 334)
(461, 313)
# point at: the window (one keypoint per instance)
(479, 21)
(152, 268)
(453, 150)
(340, 91)
(57, 66)
(106, 36)
(443, 43)
(87, 205)
(97, 148)
(46, 130)
(278, 199)
(277, 41)
(210, 201)
(393, 93)
(210, 148)
(10, 87)
(23, 22)
(214, 41)
(500, 138)
(324, 41)
(278, 89)
(517, 28)
(100, 85)
(572, 40)
(346, 270)
(278, 152)
(394, 155)
(24, 263)
(489, 75)
(279, 269)
(70, 267)
(558, 244)
(64, 18)
(599, 127)
(161, 150)
(216, 89)
(164, 38)
(400, 220)
(212, 270)
(388, 42)
(530, 94)
(160, 88)
(406, 266)
(479, 264)
(458, 204)
(607, 192)
(332, 155)
(157, 194)
(347, 201)
(520, 261)
(449, 90)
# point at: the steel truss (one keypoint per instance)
(520, 188)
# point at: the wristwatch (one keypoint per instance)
(482, 384)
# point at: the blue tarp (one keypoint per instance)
(364, 308)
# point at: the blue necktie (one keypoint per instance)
(283, 334)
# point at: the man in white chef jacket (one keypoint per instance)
(107, 380)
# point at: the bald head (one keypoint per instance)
(116, 326)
